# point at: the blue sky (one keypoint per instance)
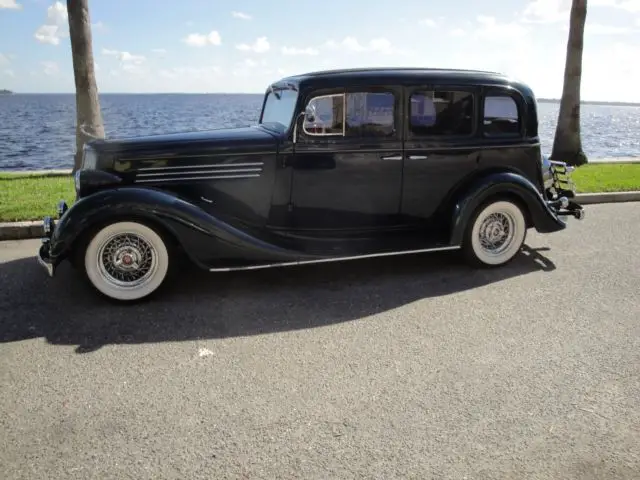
(242, 45)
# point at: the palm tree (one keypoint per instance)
(567, 144)
(89, 123)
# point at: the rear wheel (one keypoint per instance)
(126, 261)
(495, 234)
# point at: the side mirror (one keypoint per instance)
(310, 113)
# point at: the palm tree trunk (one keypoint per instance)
(567, 144)
(89, 123)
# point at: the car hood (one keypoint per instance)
(223, 139)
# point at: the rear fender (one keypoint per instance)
(202, 236)
(502, 185)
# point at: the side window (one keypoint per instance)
(324, 116)
(501, 116)
(437, 112)
(370, 114)
(360, 114)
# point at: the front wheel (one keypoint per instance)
(495, 234)
(126, 261)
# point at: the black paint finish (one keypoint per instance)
(256, 195)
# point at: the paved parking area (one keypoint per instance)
(413, 367)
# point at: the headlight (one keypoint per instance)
(89, 159)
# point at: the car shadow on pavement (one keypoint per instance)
(201, 305)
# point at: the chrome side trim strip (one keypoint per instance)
(200, 172)
(393, 157)
(417, 157)
(444, 148)
(214, 165)
(182, 179)
(333, 259)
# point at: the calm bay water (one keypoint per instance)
(38, 131)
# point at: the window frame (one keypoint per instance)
(344, 92)
(344, 115)
(416, 89)
(503, 91)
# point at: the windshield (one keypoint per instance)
(279, 107)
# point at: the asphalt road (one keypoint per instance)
(413, 367)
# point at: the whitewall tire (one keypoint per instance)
(126, 261)
(496, 234)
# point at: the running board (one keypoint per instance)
(332, 259)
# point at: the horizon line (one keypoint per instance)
(539, 99)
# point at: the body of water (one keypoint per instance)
(38, 131)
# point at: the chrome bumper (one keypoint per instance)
(48, 227)
(560, 190)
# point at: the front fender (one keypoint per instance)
(202, 236)
(506, 184)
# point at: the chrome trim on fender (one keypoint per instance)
(197, 167)
(204, 172)
(182, 179)
(332, 259)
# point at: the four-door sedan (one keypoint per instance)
(342, 165)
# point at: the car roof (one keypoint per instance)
(399, 75)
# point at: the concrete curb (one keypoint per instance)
(33, 229)
(608, 197)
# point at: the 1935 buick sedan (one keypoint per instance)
(342, 165)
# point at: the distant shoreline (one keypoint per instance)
(540, 100)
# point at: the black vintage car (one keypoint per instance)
(342, 165)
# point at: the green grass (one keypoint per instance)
(607, 178)
(32, 196)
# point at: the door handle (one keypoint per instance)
(392, 157)
(418, 157)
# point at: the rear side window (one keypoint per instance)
(501, 116)
(438, 112)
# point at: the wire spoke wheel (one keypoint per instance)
(126, 260)
(495, 234)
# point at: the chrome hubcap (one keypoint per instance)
(496, 232)
(127, 260)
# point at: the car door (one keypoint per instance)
(440, 145)
(347, 162)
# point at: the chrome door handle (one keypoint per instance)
(392, 157)
(418, 157)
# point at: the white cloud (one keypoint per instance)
(55, 27)
(261, 45)
(4, 59)
(429, 22)
(352, 45)
(457, 32)
(300, 51)
(202, 40)
(241, 15)
(124, 57)
(159, 50)
(491, 28)
(547, 11)
(10, 4)
(50, 68)
(632, 6)
(9, 73)
(201, 72)
(599, 29)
